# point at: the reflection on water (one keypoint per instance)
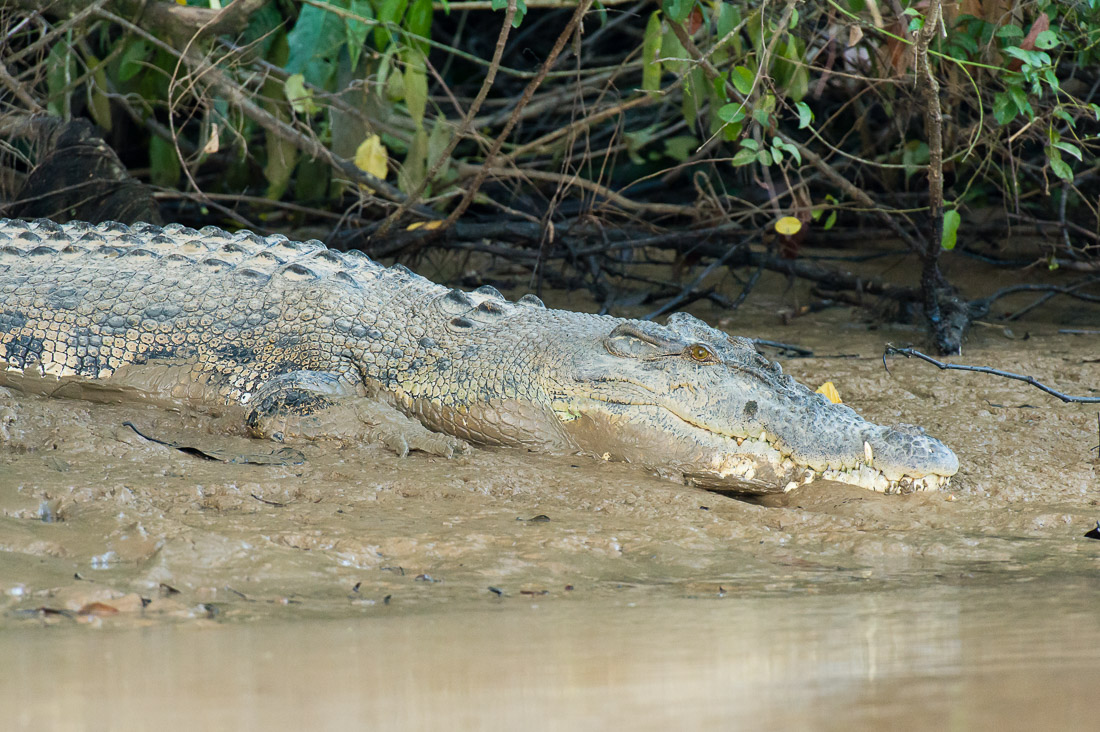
(1025, 656)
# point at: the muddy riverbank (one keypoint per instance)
(103, 529)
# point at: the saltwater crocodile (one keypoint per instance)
(312, 342)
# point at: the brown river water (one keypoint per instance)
(141, 585)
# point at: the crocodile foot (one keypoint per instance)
(317, 405)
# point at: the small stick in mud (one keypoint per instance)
(910, 352)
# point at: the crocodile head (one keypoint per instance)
(686, 397)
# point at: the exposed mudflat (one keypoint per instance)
(100, 527)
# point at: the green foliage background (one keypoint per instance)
(730, 117)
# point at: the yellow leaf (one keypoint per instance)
(830, 392)
(788, 225)
(429, 225)
(370, 157)
(300, 98)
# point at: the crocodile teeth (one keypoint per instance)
(868, 453)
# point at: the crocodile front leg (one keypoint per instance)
(318, 405)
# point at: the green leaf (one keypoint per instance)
(951, 221)
(264, 26)
(777, 155)
(805, 115)
(831, 221)
(60, 72)
(415, 166)
(1047, 40)
(390, 12)
(164, 165)
(416, 86)
(1018, 96)
(764, 158)
(1069, 148)
(419, 18)
(437, 142)
(789, 149)
(914, 155)
(300, 98)
(732, 112)
(788, 71)
(355, 31)
(1009, 32)
(98, 104)
(1059, 166)
(395, 85)
(681, 147)
(750, 144)
(742, 79)
(1036, 59)
(695, 95)
(673, 53)
(636, 142)
(314, 42)
(281, 158)
(966, 42)
(521, 10)
(132, 60)
(729, 15)
(677, 10)
(1051, 79)
(1004, 109)
(743, 157)
(651, 52)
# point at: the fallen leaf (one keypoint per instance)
(830, 392)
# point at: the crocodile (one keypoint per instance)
(309, 342)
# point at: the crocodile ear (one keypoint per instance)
(639, 339)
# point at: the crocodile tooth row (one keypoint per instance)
(864, 476)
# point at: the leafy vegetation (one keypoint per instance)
(687, 115)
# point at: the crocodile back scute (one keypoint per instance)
(83, 300)
(270, 255)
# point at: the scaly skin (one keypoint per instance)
(291, 331)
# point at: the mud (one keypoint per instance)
(102, 528)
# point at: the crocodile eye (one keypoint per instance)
(699, 352)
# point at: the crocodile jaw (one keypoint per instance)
(764, 462)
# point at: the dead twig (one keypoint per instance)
(463, 127)
(912, 353)
(528, 92)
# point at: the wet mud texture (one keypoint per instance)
(100, 525)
